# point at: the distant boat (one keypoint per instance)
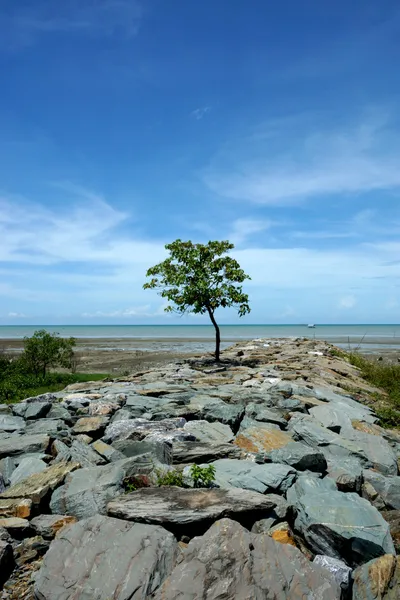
(311, 326)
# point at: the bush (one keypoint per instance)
(174, 477)
(203, 477)
(44, 350)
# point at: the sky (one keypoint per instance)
(125, 124)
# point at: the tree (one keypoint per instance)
(44, 350)
(199, 278)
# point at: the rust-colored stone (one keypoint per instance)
(15, 508)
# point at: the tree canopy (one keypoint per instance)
(199, 278)
(44, 350)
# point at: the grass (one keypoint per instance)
(386, 377)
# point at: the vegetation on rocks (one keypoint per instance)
(199, 278)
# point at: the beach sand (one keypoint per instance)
(121, 356)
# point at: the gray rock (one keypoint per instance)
(27, 467)
(59, 412)
(331, 418)
(387, 487)
(269, 478)
(125, 415)
(347, 474)
(86, 492)
(52, 427)
(6, 561)
(378, 579)
(48, 526)
(230, 563)
(80, 563)
(19, 409)
(229, 414)
(107, 452)
(342, 526)
(201, 452)
(258, 412)
(48, 397)
(276, 515)
(2, 484)
(77, 452)
(190, 511)
(5, 409)
(15, 445)
(160, 451)
(37, 410)
(338, 568)
(10, 423)
(377, 450)
(215, 432)
(300, 457)
(7, 466)
(139, 429)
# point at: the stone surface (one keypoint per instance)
(388, 488)
(230, 563)
(347, 474)
(207, 432)
(48, 526)
(38, 486)
(27, 466)
(6, 562)
(190, 510)
(334, 419)
(262, 437)
(392, 517)
(107, 452)
(81, 564)
(15, 508)
(202, 452)
(16, 445)
(93, 426)
(139, 429)
(37, 410)
(342, 526)
(10, 423)
(77, 452)
(269, 478)
(378, 579)
(16, 526)
(338, 568)
(300, 457)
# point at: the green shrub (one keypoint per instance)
(203, 477)
(174, 477)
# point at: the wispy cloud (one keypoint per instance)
(292, 164)
(200, 113)
(15, 315)
(347, 302)
(242, 229)
(23, 25)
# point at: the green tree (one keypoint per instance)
(44, 350)
(199, 278)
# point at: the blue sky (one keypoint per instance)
(125, 124)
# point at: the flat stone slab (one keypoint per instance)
(102, 558)
(210, 432)
(10, 423)
(49, 525)
(378, 579)
(15, 508)
(230, 563)
(262, 437)
(15, 445)
(202, 452)
(268, 478)
(300, 457)
(387, 487)
(336, 524)
(188, 509)
(28, 466)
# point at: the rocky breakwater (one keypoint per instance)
(304, 501)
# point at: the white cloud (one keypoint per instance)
(135, 311)
(242, 229)
(347, 302)
(200, 113)
(292, 163)
(15, 315)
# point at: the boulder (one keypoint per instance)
(107, 452)
(48, 526)
(245, 474)
(338, 568)
(87, 491)
(258, 412)
(229, 563)
(262, 437)
(202, 452)
(37, 410)
(388, 488)
(15, 508)
(7, 467)
(157, 450)
(18, 528)
(53, 427)
(215, 432)
(93, 426)
(139, 429)
(102, 558)
(10, 423)
(392, 517)
(347, 474)
(339, 525)
(16, 445)
(229, 414)
(28, 466)
(334, 419)
(378, 579)
(6, 562)
(300, 457)
(77, 452)
(190, 511)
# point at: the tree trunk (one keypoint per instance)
(217, 334)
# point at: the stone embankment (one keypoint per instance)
(305, 502)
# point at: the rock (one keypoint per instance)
(245, 474)
(139, 429)
(6, 562)
(107, 452)
(229, 563)
(158, 450)
(189, 511)
(30, 549)
(377, 450)
(207, 432)
(19, 409)
(23, 444)
(48, 397)
(342, 526)
(378, 579)
(282, 534)
(335, 420)
(37, 410)
(229, 414)
(300, 457)
(93, 426)
(48, 526)
(338, 568)
(14, 525)
(7, 467)
(10, 423)
(87, 491)
(59, 412)
(27, 466)
(2, 484)
(52, 427)
(15, 508)
(202, 452)
(258, 412)
(77, 452)
(102, 408)
(387, 487)
(262, 437)
(37, 487)
(347, 474)
(80, 563)
(393, 518)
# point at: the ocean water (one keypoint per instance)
(363, 335)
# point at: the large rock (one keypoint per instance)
(258, 412)
(378, 579)
(392, 517)
(38, 486)
(102, 558)
(27, 467)
(190, 511)
(268, 478)
(15, 508)
(87, 491)
(262, 437)
(204, 431)
(16, 445)
(300, 457)
(335, 420)
(342, 526)
(139, 429)
(48, 526)
(93, 426)
(388, 488)
(10, 423)
(77, 452)
(229, 414)
(37, 410)
(201, 452)
(6, 561)
(230, 563)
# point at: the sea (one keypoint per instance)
(200, 337)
